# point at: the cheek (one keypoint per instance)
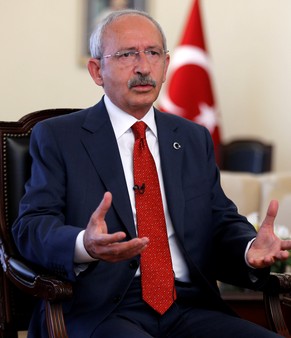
(115, 85)
(116, 78)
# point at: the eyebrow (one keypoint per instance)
(135, 48)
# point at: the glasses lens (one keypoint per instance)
(127, 57)
(154, 55)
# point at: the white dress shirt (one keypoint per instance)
(122, 122)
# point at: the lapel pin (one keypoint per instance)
(176, 145)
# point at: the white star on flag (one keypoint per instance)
(207, 117)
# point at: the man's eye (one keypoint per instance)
(126, 54)
(154, 52)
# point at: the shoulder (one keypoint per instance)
(81, 118)
(181, 123)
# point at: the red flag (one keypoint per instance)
(188, 90)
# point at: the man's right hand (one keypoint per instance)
(109, 247)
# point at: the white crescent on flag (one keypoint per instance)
(187, 55)
(183, 55)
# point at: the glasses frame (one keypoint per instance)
(134, 52)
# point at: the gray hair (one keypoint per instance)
(96, 39)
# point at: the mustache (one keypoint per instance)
(141, 80)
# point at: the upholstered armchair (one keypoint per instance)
(248, 155)
(21, 283)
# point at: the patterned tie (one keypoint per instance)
(157, 276)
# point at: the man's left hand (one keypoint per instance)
(267, 248)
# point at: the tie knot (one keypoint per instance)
(139, 129)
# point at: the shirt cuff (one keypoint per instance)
(81, 254)
(252, 276)
(246, 251)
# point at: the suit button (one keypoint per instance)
(133, 264)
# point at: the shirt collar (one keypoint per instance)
(122, 121)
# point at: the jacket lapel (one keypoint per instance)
(100, 143)
(171, 152)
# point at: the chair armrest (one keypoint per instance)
(278, 283)
(37, 283)
(276, 293)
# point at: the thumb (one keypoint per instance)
(271, 212)
(99, 214)
(104, 206)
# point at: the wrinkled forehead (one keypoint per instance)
(132, 29)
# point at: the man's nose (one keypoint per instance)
(142, 64)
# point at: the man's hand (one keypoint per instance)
(267, 248)
(109, 247)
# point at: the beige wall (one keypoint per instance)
(249, 42)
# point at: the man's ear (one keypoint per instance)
(167, 62)
(94, 68)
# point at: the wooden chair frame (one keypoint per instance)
(19, 278)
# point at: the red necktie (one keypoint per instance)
(157, 276)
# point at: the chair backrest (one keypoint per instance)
(15, 163)
(246, 155)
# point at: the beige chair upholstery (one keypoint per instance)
(277, 186)
(243, 189)
(252, 193)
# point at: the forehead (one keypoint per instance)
(131, 31)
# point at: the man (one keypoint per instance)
(87, 157)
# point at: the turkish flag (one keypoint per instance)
(188, 91)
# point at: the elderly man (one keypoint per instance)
(146, 261)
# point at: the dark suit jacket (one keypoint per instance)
(75, 160)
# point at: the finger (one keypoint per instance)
(109, 239)
(279, 256)
(263, 262)
(99, 214)
(121, 251)
(103, 207)
(282, 255)
(269, 259)
(96, 242)
(286, 244)
(271, 212)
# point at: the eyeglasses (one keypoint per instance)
(128, 57)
